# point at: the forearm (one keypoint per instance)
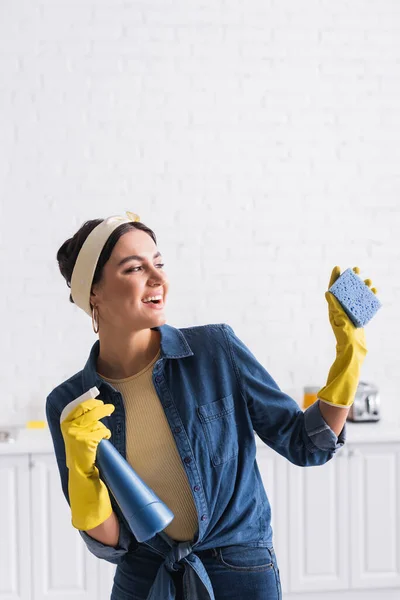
(107, 532)
(334, 416)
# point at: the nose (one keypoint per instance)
(157, 277)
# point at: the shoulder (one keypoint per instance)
(210, 331)
(213, 338)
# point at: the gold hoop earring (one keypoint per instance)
(95, 325)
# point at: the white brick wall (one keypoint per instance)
(259, 139)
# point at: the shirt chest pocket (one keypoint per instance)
(219, 426)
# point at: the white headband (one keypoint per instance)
(86, 262)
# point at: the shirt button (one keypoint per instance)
(187, 460)
(196, 488)
(158, 379)
(177, 429)
(168, 405)
(119, 428)
(203, 517)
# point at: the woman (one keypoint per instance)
(181, 405)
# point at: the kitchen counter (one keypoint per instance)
(27, 441)
(363, 433)
(381, 431)
(33, 441)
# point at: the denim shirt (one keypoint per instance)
(215, 395)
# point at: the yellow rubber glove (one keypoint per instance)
(344, 375)
(82, 432)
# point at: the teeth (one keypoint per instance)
(150, 298)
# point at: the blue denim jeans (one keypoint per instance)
(236, 572)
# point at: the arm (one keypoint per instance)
(334, 416)
(109, 540)
(108, 532)
(304, 438)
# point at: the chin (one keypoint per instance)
(162, 319)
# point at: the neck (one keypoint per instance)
(122, 356)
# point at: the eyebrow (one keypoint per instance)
(136, 257)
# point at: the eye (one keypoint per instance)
(132, 269)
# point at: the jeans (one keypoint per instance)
(236, 572)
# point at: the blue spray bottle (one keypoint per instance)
(144, 512)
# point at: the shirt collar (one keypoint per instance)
(173, 345)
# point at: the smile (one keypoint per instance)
(154, 299)
(156, 304)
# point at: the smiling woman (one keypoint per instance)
(181, 405)
(69, 251)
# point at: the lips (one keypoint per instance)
(156, 299)
(154, 294)
(158, 306)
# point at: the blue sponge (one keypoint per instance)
(356, 298)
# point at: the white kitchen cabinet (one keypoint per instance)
(374, 489)
(106, 576)
(273, 470)
(15, 564)
(61, 565)
(41, 556)
(318, 517)
(336, 527)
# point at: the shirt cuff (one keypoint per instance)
(109, 553)
(319, 431)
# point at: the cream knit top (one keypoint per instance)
(151, 450)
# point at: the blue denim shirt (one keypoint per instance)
(215, 394)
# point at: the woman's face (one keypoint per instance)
(133, 273)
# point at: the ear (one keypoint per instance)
(94, 295)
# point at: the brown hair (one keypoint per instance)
(68, 252)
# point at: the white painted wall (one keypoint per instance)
(259, 139)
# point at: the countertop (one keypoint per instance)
(27, 441)
(34, 441)
(364, 433)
